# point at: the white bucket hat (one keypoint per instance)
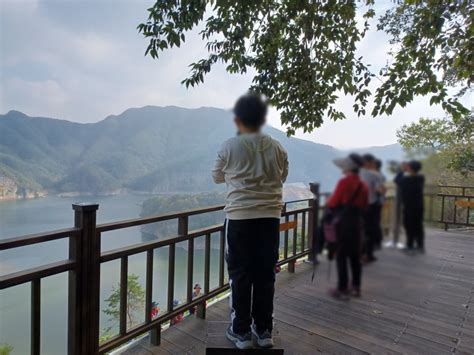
(346, 163)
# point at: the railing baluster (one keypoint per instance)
(442, 213)
(221, 257)
(36, 317)
(123, 294)
(207, 263)
(292, 263)
(295, 233)
(190, 269)
(149, 285)
(201, 308)
(468, 213)
(455, 210)
(285, 246)
(171, 266)
(313, 220)
(303, 231)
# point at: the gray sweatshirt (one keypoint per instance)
(254, 167)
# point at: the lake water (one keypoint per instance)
(50, 213)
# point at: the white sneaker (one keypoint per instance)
(264, 339)
(241, 341)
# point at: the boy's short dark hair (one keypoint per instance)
(415, 165)
(251, 109)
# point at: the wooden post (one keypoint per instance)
(155, 335)
(313, 222)
(84, 283)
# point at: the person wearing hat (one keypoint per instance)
(178, 318)
(155, 309)
(349, 201)
(254, 167)
(196, 293)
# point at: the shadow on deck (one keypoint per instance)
(410, 304)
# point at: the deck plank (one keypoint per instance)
(410, 304)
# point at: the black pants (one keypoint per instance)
(252, 254)
(351, 256)
(378, 236)
(349, 234)
(413, 222)
(371, 226)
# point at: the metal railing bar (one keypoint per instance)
(20, 277)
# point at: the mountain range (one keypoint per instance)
(150, 149)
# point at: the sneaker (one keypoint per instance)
(241, 341)
(340, 295)
(264, 339)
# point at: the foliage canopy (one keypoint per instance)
(304, 53)
(452, 138)
(135, 302)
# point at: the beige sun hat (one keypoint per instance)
(346, 163)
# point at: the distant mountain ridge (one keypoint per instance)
(149, 149)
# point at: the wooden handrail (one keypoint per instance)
(142, 247)
(35, 273)
(30, 239)
(106, 227)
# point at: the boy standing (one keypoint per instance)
(254, 166)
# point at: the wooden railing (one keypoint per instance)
(457, 206)
(85, 259)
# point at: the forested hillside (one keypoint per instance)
(149, 149)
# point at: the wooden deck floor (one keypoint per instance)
(420, 304)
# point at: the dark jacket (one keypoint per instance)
(411, 190)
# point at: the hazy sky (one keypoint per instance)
(83, 60)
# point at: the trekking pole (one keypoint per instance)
(329, 271)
